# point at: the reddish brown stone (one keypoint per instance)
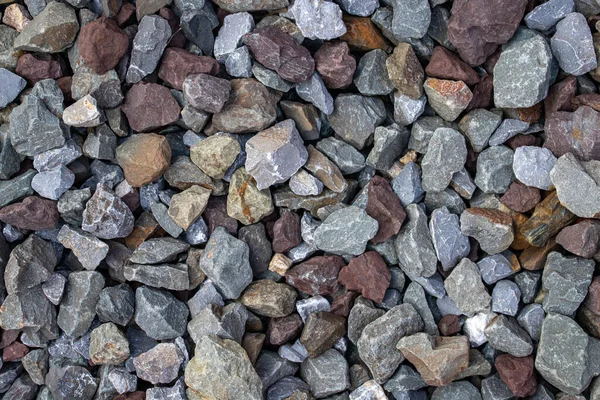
(589, 321)
(560, 95)
(483, 93)
(548, 218)
(178, 38)
(177, 64)
(362, 34)
(449, 325)
(518, 373)
(286, 232)
(581, 239)
(523, 140)
(491, 61)
(145, 228)
(93, 44)
(521, 198)
(125, 15)
(592, 301)
(64, 84)
(367, 273)
(137, 395)
(253, 343)
(591, 100)
(144, 158)
(278, 51)
(14, 351)
(342, 304)
(35, 69)
(8, 336)
(317, 275)
(478, 27)
(149, 106)
(534, 258)
(335, 64)
(284, 330)
(384, 206)
(446, 65)
(577, 133)
(215, 215)
(530, 115)
(33, 213)
(321, 331)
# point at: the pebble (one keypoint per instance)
(159, 314)
(446, 155)
(414, 247)
(448, 98)
(544, 16)
(335, 64)
(505, 334)
(450, 244)
(148, 46)
(572, 45)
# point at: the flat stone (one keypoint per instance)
(326, 374)
(448, 98)
(186, 207)
(572, 45)
(159, 314)
(99, 57)
(177, 64)
(351, 222)
(78, 308)
(335, 64)
(446, 155)
(150, 106)
(544, 16)
(347, 158)
(505, 334)
(52, 184)
(411, 19)
(167, 276)
(318, 19)
(33, 213)
(389, 143)
(367, 114)
(450, 244)
(149, 43)
(371, 77)
(384, 206)
(316, 276)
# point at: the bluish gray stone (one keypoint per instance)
(149, 43)
(198, 22)
(78, 308)
(532, 166)
(239, 63)
(160, 315)
(494, 169)
(315, 92)
(270, 78)
(416, 254)
(576, 185)
(404, 379)
(433, 285)
(438, 28)
(531, 318)
(422, 132)
(411, 19)
(465, 288)
(407, 185)
(505, 298)
(49, 92)
(197, 233)
(446, 154)
(573, 46)
(450, 244)
(12, 84)
(371, 76)
(270, 368)
(505, 334)
(230, 35)
(54, 288)
(318, 19)
(447, 198)
(346, 231)
(494, 388)
(389, 143)
(415, 296)
(89, 250)
(478, 126)
(285, 387)
(494, 268)
(106, 216)
(529, 283)
(295, 352)
(71, 382)
(161, 214)
(167, 276)
(116, 304)
(546, 15)
(361, 314)
(391, 299)
(463, 184)
(406, 109)
(508, 129)
(326, 374)
(462, 390)
(206, 295)
(227, 322)
(347, 158)
(52, 184)
(361, 8)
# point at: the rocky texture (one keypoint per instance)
(491, 228)
(149, 106)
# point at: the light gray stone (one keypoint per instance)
(465, 288)
(505, 298)
(406, 109)
(230, 35)
(576, 185)
(504, 334)
(52, 184)
(508, 129)
(12, 85)
(346, 231)
(478, 126)
(318, 19)
(315, 92)
(494, 268)
(347, 158)
(446, 155)
(411, 19)
(414, 247)
(149, 43)
(326, 374)
(356, 117)
(407, 185)
(89, 250)
(239, 64)
(494, 169)
(106, 216)
(573, 46)
(450, 244)
(532, 166)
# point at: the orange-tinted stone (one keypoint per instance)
(362, 35)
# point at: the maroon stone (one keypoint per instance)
(125, 14)
(178, 38)
(35, 69)
(581, 239)
(560, 95)
(592, 301)
(384, 206)
(64, 84)
(253, 343)
(317, 275)
(518, 373)
(590, 99)
(577, 133)
(8, 336)
(14, 351)
(93, 48)
(483, 93)
(367, 273)
(177, 64)
(342, 304)
(33, 213)
(521, 198)
(321, 330)
(150, 106)
(335, 64)
(446, 65)
(286, 232)
(137, 395)
(449, 325)
(284, 330)
(491, 61)
(216, 215)
(478, 27)
(523, 140)
(278, 51)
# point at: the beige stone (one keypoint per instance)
(280, 264)
(214, 155)
(187, 206)
(245, 202)
(144, 157)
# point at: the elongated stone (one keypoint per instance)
(450, 244)
(149, 43)
(414, 247)
(446, 155)
(78, 309)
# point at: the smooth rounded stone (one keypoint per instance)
(518, 373)
(92, 44)
(304, 184)
(89, 250)
(116, 304)
(450, 244)
(371, 77)
(150, 41)
(268, 298)
(448, 98)
(160, 364)
(318, 19)
(347, 158)
(159, 314)
(546, 15)
(456, 391)
(532, 166)
(378, 339)
(215, 154)
(108, 345)
(491, 228)
(478, 126)
(229, 38)
(150, 106)
(177, 64)
(531, 318)
(521, 198)
(78, 308)
(565, 355)
(206, 92)
(321, 330)
(411, 19)
(572, 45)
(239, 63)
(494, 169)
(335, 64)
(504, 334)
(346, 231)
(106, 216)
(576, 185)
(12, 85)
(446, 155)
(465, 288)
(521, 82)
(581, 239)
(245, 201)
(407, 185)
(407, 110)
(405, 71)
(53, 183)
(71, 382)
(355, 118)
(505, 298)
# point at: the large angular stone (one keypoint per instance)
(149, 43)
(446, 155)
(177, 64)
(89, 250)
(506, 335)
(465, 288)
(235, 26)
(206, 92)
(150, 106)
(575, 133)
(30, 263)
(546, 15)
(478, 126)
(411, 19)
(346, 231)
(316, 276)
(495, 169)
(33, 213)
(71, 382)
(245, 201)
(106, 216)
(576, 185)
(414, 247)
(532, 166)
(573, 46)
(318, 19)
(367, 273)
(78, 308)
(491, 228)
(92, 44)
(144, 158)
(405, 71)
(327, 374)
(159, 314)
(355, 118)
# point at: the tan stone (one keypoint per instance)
(16, 16)
(280, 264)
(214, 155)
(325, 170)
(187, 206)
(144, 157)
(405, 71)
(245, 202)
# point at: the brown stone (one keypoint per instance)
(149, 106)
(137, 395)
(449, 325)
(64, 83)
(548, 218)
(286, 232)
(16, 16)
(335, 64)
(342, 304)
(534, 258)
(367, 273)
(581, 239)
(253, 343)
(437, 358)
(478, 27)
(278, 51)
(325, 170)
(178, 38)
(177, 64)
(144, 158)
(592, 301)
(589, 321)
(14, 351)
(591, 100)
(35, 69)
(102, 44)
(321, 330)
(577, 133)
(530, 115)
(523, 140)
(560, 95)
(362, 34)
(483, 93)
(305, 116)
(284, 330)
(384, 206)
(405, 71)
(280, 264)
(269, 298)
(518, 373)
(145, 228)
(317, 275)
(125, 14)
(446, 65)
(216, 215)
(520, 197)
(33, 213)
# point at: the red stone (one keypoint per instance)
(367, 273)
(216, 215)
(342, 304)
(8, 336)
(577, 133)
(521, 198)
(449, 325)
(34, 69)
(125, 15)
(482, 94)
(518, 373)
(335, 64)
(286, 232)
(317, 275)
(178, 38)
(384, 206)
(592, 301)
(446, 65)
(14, 351)
(278, 51)
(177, 64)
(149, 106)
(590, 99)
(33, 213)
(581, 239)
(93, 48)
(560, 95)
(284, 330)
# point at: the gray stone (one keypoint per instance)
(504, 334)
(422, 132)
(261, 253)
(167, 276)
(494, 169)
(49, 92)
(304, 184)
(206, 92)
(529, 284)
(543, 393)
(391, 299)
(406, 109)
(227, 322)
(198, 23)
(463, 184)
(411, 19)
(531, 318)
(361, 8)
(462, 390)
(29, 264)
(158, 250)
(368, 390)
(84, 113)
(438, 28)
(577, 186)
(101, 143)
(122, 381)
(347, 158)
(465, 288)
(175, 392)
(318, 19)
(285, 387)
(522, 74)
(565, 280)
(508, 129)
(491, 228)
(197, 233)
(346, 231)
(10, 161)
(270, 78)
(447, 98)
(404, 379)
(311, 305)
(53, 183)
(78, 308)
(447, 198)
(326, 374)
(148, 45)
(206, 295)
(494, 388)
(239, 63)
(104, 174)
(450, 244)
(407, 185)
(474, 327)
(230, 35)
(495, 267)
(505, 298)
(356, 117)
(546, 15)
(315, 92)
(8, 55)
(389, 143)
(573, 46)
(371, 76)
(89, 250)
(12, 84)
(532, 166)
(106, 216)
(414, 247)
(294, 353)
(116, 304)
(433, 285)
(415, 295)
(271, 368)
(54, 288)
(71, 383)
(36, 364)
(57, 157)
(362, 313)
(72, 204)
(478, 366)
(161, 214)
(478, 126)
(446, 154)
(159, 313)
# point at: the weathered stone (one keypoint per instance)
(456, 390)
(30, 263)
(245, 201)
(167, 276)
(186, 207)
(71, 382)
(106, 216)
(206, 92)
(335, 64)
(548, 218)
(517, 373)
(572, 45)
(321, 331)
(478, 126)
(405, 72)
(33, 213)
(491, 228)
(149, 106)
(215, 154)
(384, 206)
(448, 98)
(346, 231)
(366, 113)
(531, 318)
(318, 19)
(92, 44)
(362, 35)
(149, 43)
(108, 345)
(573, 133)
(159, 314)
(505, 334)
(268, 298)
(316, 276)
(450, 244)
(446, 155)
(160, 364)
(84, 113)
(465, 288)
(78, 308)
